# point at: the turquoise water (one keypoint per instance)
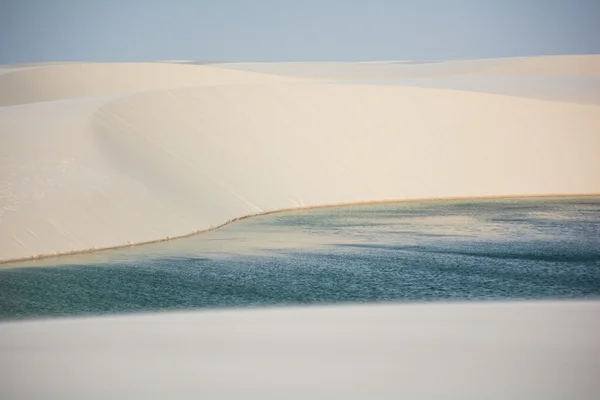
(413, 251)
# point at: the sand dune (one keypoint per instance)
(103, 155)
(559, 78)
(66, 81)
(458, 351)
(573, 65)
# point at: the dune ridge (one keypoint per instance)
(32, 84)
(105, 155)
(562, 65)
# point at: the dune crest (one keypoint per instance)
(103, 155)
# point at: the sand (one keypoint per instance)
(102, 155)
(556, 66)
(447, 351)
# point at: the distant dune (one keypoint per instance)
(102, 155)
(572, 65)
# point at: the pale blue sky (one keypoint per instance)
(287, 30)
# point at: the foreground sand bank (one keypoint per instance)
(449, 351)
(106, 160)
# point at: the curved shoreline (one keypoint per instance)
(199, 148)
(231, 221)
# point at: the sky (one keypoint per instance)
(294, 30)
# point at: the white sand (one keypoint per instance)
(102, 155)
(30, 84)
(572, 65)
(467, 351)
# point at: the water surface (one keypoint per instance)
(413, 251)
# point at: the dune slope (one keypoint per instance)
(130, 153)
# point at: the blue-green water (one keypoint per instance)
(421, 251)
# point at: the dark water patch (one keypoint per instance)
(485, 250)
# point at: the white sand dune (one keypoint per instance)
(458, 351)
(572, 65)
(102, 155)
(573, 89)
(559, 78)
(66, 81)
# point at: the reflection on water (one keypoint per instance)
(412, 251)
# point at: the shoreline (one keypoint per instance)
(346, 204)
(184, 149)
